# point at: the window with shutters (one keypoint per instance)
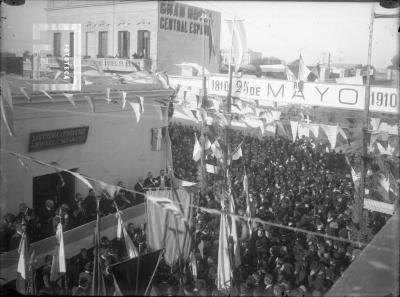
(103, 44)
(143, 44)
(123, 44)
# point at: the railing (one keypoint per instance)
(117, 64)
(74, 240)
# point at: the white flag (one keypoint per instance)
(224, 263)
(208, 144)
(276, 115)
(90, 102)
(315, 130)
(294, 125)
(141, 100)
(341, 132)
(303, 130)
(216, 149)
(196, 150)
(22, 89)
(136, 109)
(271, 128)
(303, 70)
(48, 95)
(331, 133)
(375, 123)
(159, 111)
(61, 254)
(289, 74)
(123, 99)
(108, 95)
(239, 41)
(238, 153)
(70, 98)
(211, 169)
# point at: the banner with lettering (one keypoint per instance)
(383, 99)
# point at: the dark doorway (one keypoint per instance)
(59, 187)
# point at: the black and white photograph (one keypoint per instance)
(199, 148)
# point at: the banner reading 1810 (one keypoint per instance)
(382, 99)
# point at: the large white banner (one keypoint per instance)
(383, 99)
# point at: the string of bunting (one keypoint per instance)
(85, 180)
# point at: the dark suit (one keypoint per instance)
(139, 198)
(150, 183)
(166, 182)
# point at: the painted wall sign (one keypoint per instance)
(383, 99)
(56, 138)
(183, 18)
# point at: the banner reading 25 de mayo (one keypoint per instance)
(382, 99)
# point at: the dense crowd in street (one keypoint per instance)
(291, 184)
(294, 184)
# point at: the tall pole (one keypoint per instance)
(364, 163)
(203, 98)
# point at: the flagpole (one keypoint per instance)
(361, 195)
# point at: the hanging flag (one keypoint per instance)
(375, 123)
(389, 151)
(271, 128)
(341, 132)
(216, 150)
(390, 129)
(248, 206)
(280, 129)
(233, 233)
(289, 74)
(23, 250)
(108, 95)
(168, 205)
(294, 126)
(141, 101)
(239, 41)
(193, 265)
(207, 144)
(131, 250)
(315, 130)
(110, 190)
(82, 179)
(7, 109)
(224, 263)
(58, 265)
(91, 102)
(162, 79)
(22, 90)
(117, 290)
(238, 152)
(123, 99)
(269, 117)
(57, 75)
(70, 98)
(196, 149)
(136, 108)
(159, 111)
(331, 133)
(201, 248)
(211, 169)
(48, 95)
(303, 130)
(303, 70)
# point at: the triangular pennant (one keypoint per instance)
(211, 169)
(196, 149)
(208, 144)
(70, 98)
(234, 235)
(342, 133)
(123, 99)
(141, 101)
(303, 130)
(331, 133)
(22, 90)
(136, 109)
(375, 123)
(280, 129)
(108, 99)
(48, 95)
(57, 75)
(294, 125)
(7, 114)
(314, 129)
(91, 103)
(262, 127)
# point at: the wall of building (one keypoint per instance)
(117, 147)
(122, 16)
(184, 44)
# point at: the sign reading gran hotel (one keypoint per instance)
(57, 138)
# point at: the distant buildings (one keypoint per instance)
(248, 57)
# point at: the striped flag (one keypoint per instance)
(122, 233)
(58, 265)
(224, 281)
(168, 205)
(22, 270)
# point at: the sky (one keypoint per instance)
(286, 29)
(280, 29)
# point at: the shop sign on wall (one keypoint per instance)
(56, 138)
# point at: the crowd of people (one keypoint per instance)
(42, 223)
(292, 184)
